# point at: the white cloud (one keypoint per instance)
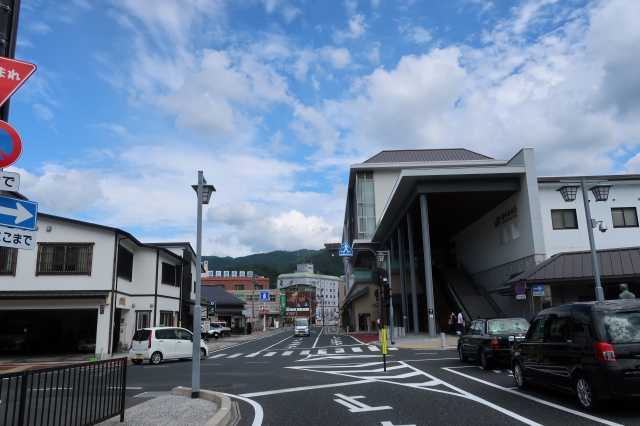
(374, 55)
(43, 112)
(357, 27)
(351, 6)
(375, 4)
(418, 34)
(238, 213)
(339, 57)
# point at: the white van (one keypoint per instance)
(158, 343)
(302, 327)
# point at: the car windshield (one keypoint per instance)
(141, 335)
(301, 322)
(620, 327)
(13, 329)
(517, 325)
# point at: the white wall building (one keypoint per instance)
(88, 278)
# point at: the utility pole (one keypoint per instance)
(253, 292)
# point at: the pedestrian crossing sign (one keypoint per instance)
(345, 250)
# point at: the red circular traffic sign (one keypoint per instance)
(10, 145)
(521, 288)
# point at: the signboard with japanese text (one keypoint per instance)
(17, 238)
(537, 290)
(9, 181)
(13, 74)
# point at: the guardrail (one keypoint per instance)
(77, 394)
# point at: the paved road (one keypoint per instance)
(331, 379)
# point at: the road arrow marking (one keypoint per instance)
(20, 213)
(357, 406)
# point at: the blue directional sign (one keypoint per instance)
(345, 250)
(264, 295)
(538, 290)
(18, 213)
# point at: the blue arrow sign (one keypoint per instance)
(538, 290)
(18, 213)
(345, 250)
(264, 295)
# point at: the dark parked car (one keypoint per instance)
(591, 349)
(488, 340)
(18, 336)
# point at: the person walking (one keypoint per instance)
(452, 324)
(461, 323)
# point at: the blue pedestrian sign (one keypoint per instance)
(538, 290)
(264, 295)
(345, 250)
(18, 213)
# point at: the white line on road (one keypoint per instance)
(322, 352)
(356, 349)
(304, 388)
(216, 356)
(316, 342)
(270, 354)
(252, 355)
(373, 348)
(339, 351)
(235, 355)
(287, 353)
(541, 401)
(257, 408)
(305, 352)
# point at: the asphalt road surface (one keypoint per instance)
(331, 379)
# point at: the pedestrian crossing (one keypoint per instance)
(306, 352)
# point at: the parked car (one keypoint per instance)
(159, 343)
(19, 335)
(488, 340)
(591, 349)
(87, 340)
(302, 327)
(220, 328)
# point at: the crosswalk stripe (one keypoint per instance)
(393, 349)
(304, 352)
(287, 353)
(340, 351)
(322, 352)
(373, 349)
(216, 356)
(252, 355)
(356, 349)
(270, 354)
(235, 355)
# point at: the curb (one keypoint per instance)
(224, 416)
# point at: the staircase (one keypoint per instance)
(475, 304)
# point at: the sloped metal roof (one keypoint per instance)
(219, 295)
(623, 263)
(426, 155)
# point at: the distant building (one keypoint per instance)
(240, 287)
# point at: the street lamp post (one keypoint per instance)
(204, 195)
(601, 193)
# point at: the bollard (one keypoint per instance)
(442, 341)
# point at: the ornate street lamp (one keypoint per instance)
(600, 192)
(569, 192)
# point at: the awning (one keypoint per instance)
(354, 296)
(228, 310)
(616, 265)
(31, 295)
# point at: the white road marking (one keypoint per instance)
(316, 342)
(356, 349)
(257, 408)
(541, 401)
(216, 356)
(393, 349)
(426, 353)
(252, 355)
(391, 424)
(305, 352)
(322, 352)
(304, 388)
(357, 406)
(270, 354)
(287, 353)
(235, 355)
(373, 348)
(339, 351)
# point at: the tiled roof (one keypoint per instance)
(620, 262)
(219, 295)
(426, 155)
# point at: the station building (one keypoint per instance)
(462, 229)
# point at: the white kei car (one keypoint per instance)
(157, 343)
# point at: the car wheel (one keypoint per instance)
(203, 353)
(518, 375)
(584, 392)
(462, 356)
(136, 361)
(484, 362)
(155, 358)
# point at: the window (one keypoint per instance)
(564, 219)
(366, 208)
(166, 319)
(125, 263)
(171, 274)
(581, 331)
(64, 259)
(272, 297)
(536, 332)
(559, 329)
(8, 258)
(239, 286)
(142, 319)
(168, 334)
(625, 217)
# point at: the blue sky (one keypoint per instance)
(274, 99)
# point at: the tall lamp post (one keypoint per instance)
(601, 193)
(204, 195)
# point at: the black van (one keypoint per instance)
(591, 349)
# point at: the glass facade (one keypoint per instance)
(366, 208)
